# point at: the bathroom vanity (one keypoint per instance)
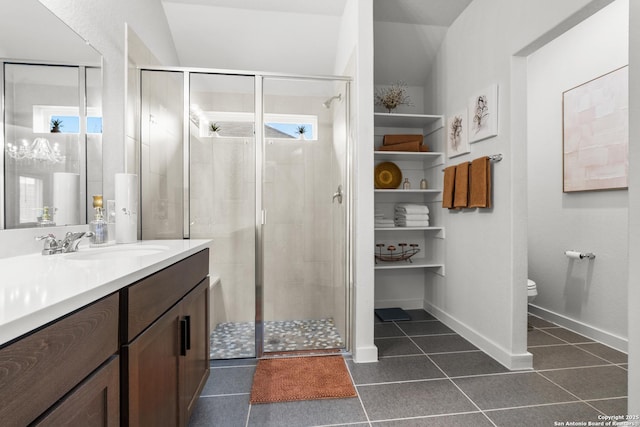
(131, 348)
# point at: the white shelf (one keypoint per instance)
(432, 122)
(397, 265)
(409, 228)
(401, 191)
(416, 163)
(407, 155)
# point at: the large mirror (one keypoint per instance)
(51, 121)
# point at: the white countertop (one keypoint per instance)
(37, 289)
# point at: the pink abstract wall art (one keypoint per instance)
(596, 133)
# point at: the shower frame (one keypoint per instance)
(260, 216)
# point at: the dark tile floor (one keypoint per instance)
(428, 375)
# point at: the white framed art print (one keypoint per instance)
(483, 114)
(457, 139)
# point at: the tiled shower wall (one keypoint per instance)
(300, 177)
(222, 192)
(162, 156)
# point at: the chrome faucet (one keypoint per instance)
(68, 244)
(51, 244)
(72, 240)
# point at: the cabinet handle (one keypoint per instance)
(184, 331)
(188, 340)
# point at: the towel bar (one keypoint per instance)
(493, 158)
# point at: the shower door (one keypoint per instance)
(259, 166)
(222, 203)
(304, 209)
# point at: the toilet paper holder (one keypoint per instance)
(579, 255)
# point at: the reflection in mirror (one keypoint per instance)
(51, 121)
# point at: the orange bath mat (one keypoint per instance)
(301, 378)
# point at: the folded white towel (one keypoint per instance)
(413, 217)
(401, 223)
(384, 221)
(411, 208)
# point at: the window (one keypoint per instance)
(30, 199)
(43, 115)
(291, 125)
(240, 125)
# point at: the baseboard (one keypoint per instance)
(407, 304)
(367, 354)
(607, 338)
(514, 362)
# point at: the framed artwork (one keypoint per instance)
(457, 139)
(595, 133)
(483, 114)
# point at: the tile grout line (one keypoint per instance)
(575, 367)
(366, 414)
(510, 408)
(422, 417)
(204, 396)
(451, 381)
(593, 354)
(575, 345)
(572, 394)
(246, 424)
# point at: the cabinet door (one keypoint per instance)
(151, 367)
(194, 347)
(95, 402)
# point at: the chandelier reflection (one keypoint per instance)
(40, 150)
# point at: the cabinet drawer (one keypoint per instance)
(42, 367)
(95, 402)
(147, 299)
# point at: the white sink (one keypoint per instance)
(116, 252)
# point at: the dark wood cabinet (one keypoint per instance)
(150, 386)
(138, 357)
(41, 368)
(195, 361)
(167, 364)
(94, 403)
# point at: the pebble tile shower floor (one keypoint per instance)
(234, 340)
(427, 375)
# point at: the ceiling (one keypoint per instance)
(300, 36)
(419, 12)
(30, 32)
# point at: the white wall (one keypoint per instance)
(633, 399)
(354, 57)
(103, 25)
(596, 221)
(485, 249)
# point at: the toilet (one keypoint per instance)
(532, 290)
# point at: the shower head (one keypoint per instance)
(327, 104)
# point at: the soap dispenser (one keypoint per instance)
(98, 226)
(45, 220)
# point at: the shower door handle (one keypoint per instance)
(337, 195)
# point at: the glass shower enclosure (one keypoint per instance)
(259, 164)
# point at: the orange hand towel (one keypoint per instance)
(399, 139)
(461, 190)
(447, 190)
(405, 146)
(480, 183)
